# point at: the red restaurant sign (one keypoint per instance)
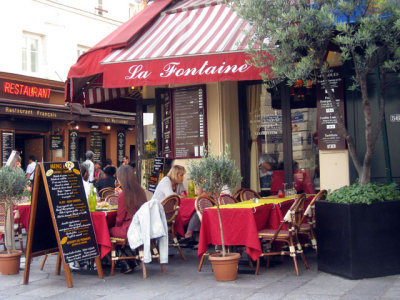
(193, 69)
(22, 90)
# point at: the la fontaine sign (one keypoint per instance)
(193, 69)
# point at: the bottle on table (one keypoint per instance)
(92, 199)
(192, 190)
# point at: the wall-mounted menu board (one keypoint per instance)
(56, 142)
(189, 121)
(7, 145)
(121, 142)
(328, 131)
(73, 145)
(96, 138)
(166, 124)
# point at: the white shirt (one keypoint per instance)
(164, 189)
(31, 170)
(90, 170)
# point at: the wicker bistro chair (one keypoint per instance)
(103, 193)
(112, 199)
(307, 226)
(226, 199)
(115, 242)
(236, 194)
(269, 237)
(247, 194)
(202, 203)
(171, 207)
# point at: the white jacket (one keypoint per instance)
(149, 222)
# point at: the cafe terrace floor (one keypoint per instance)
(183, 281)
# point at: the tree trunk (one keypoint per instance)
(9, 229)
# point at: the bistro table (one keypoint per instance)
(241, 223)
(186, 209)
(24, 210)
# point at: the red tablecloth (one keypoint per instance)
(186, 209)
(24, 212)
(240, 226)
(101, 222)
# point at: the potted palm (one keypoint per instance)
(213, 173)
(12, 182)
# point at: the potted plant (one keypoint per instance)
(357, 229)
(213, 173)
(13, 182)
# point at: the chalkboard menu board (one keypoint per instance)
(7, 145)
(328, 131)
(71, 211)
(189, 121)
(73, 145)
(121, 142)
(96, 138)
(160, 168)
(56, 142)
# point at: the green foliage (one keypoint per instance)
(215, 172)
(12, 183)
(367, 193)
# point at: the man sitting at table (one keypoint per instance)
(108, 181)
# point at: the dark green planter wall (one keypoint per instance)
(355, 124)
(358, 241)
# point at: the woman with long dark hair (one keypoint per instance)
(130, 197)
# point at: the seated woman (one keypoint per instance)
(130, 197)
(170, 184)
(108, 180)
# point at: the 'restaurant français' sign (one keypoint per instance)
(193, 69)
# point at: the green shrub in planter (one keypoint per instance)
(357, 231)
(367, 193)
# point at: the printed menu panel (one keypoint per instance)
(121, 142)
(328, 131)
(96, 138)
(56, 142)
(189, 121)
(71, 211)
(167, 147)
(7, 145)
(73, 145)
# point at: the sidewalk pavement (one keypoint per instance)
(183, 281)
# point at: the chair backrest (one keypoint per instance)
(203, 202)
(247, 194)
(236, 194)
(112, 199)
(226, 199)
(103, 193)
(2, 213)
(309, 214)
(294, 215)
(171, 207)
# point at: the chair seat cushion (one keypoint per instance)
(269, 233)
(305, 227)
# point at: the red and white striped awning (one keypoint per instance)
(99, 95)
(193, 41)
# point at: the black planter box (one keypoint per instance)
(358, 240)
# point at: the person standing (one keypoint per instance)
(89, 164)
(125, 160)
(30, 169)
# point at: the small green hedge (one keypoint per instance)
(368, 193)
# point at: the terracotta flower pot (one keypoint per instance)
(9, 262)
(225, 267)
